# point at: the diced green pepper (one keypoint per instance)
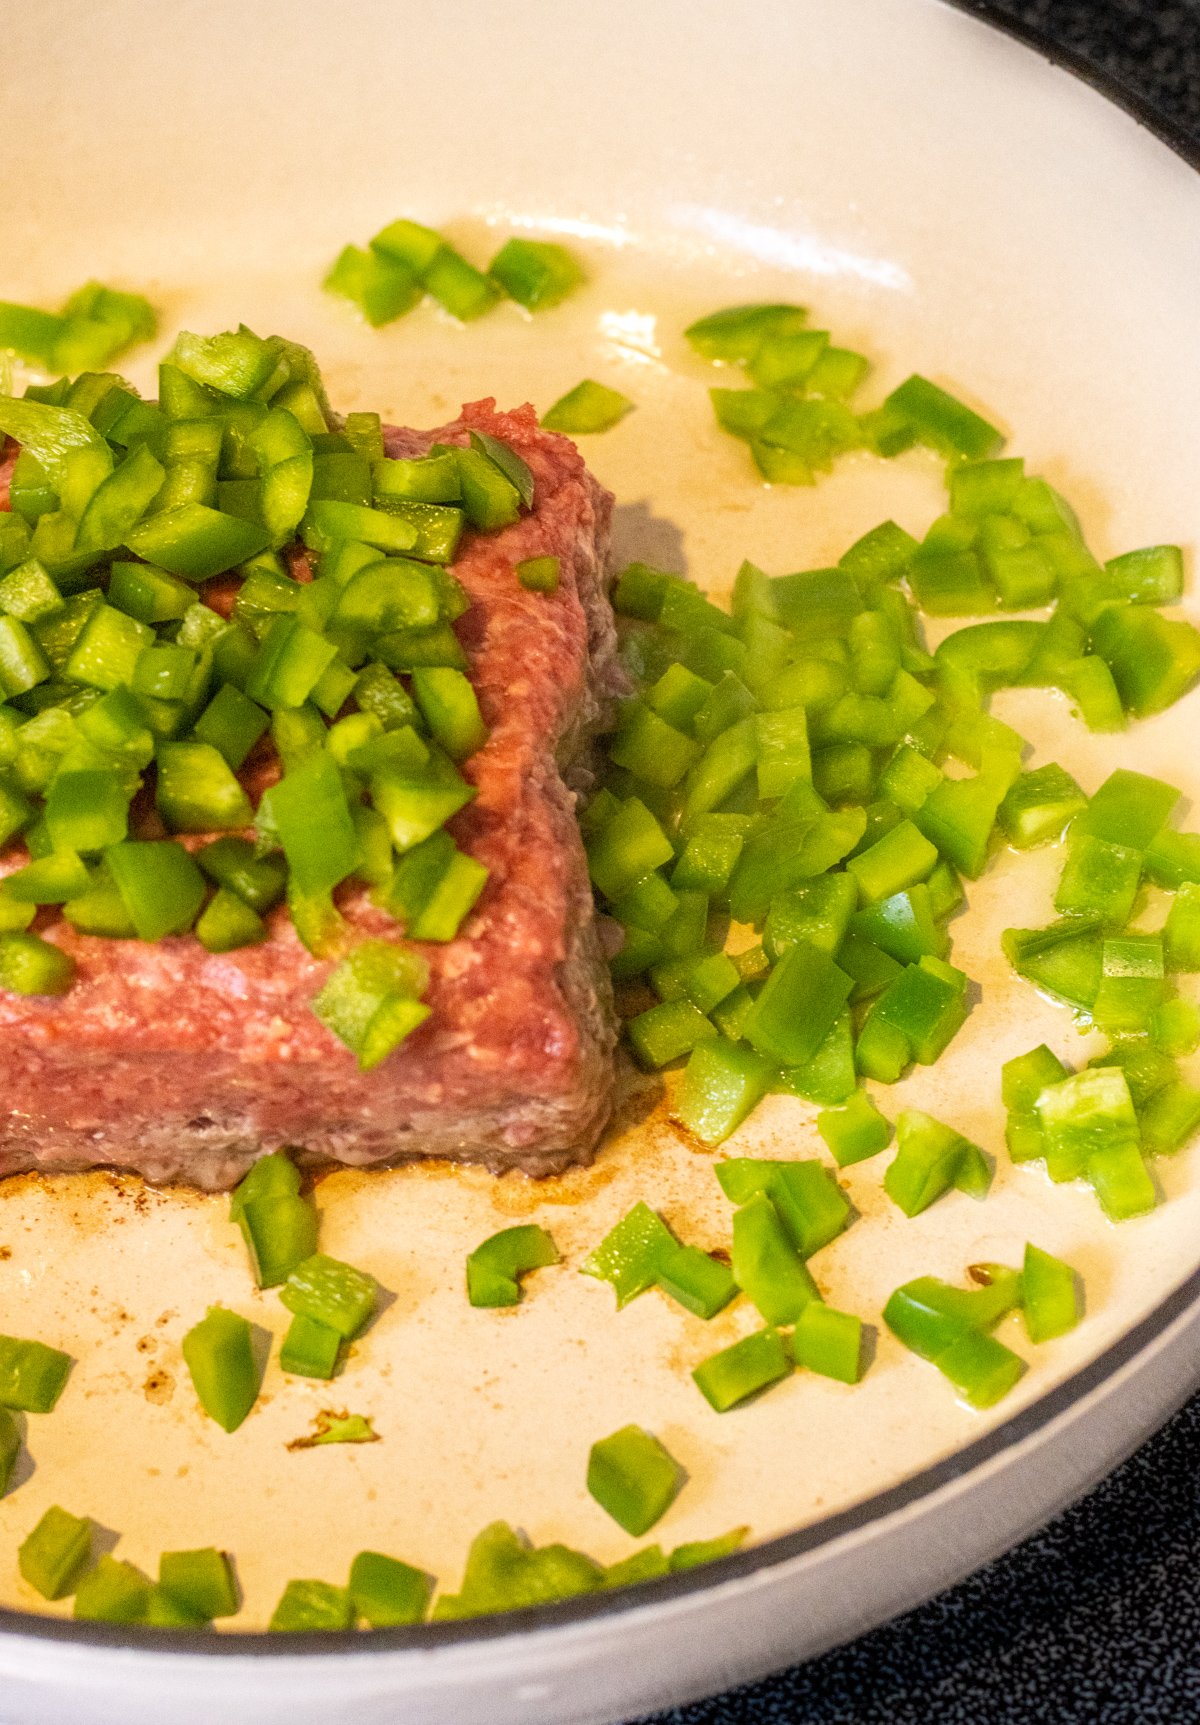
(201, 1581)
(828, 1342)
(1038, 806)
(856, 1131)
(633, 1478)
(388, 1593)
(802, 997)
(31, 965)
(767, 1266)
(722, 1084)
(53, 1556)
(1050, 1296)
(332, 1293)
(743, 1370)
(219, 1355)
(305, 1606)
(589, 407)
(310, 1349)
(494, 1268)
(931, 1158)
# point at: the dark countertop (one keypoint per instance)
(1095, 1620)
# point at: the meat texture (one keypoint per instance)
(185, 1066)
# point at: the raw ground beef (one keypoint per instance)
(185, 1066)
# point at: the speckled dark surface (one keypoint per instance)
(1096, 1620)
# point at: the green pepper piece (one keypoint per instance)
(196, 542)
(1129, 809)
(232, 863)
(112, 1592)
(1064, 958)
(699, 1283)
(856, 1132)
(310, 1349)
(52, 1557)
(1099, 879)
(629, 1255)
(633, 1478)
(723, 1082)
(31, 965)
(1038, 806)
(220, 1359)
(743, 1370)
(494, 1268)
(903, 925)
(312, 1605)
(387, 1592)
(369, 1000)
(981, 1369)
(1153, 660)
(197, 791)
(49, 433)
(1121, 1181)
(1050, 1296)
(160, 886)
(1023, 1079)
(806, 1195)
(310, 815)
(201, 1582)
(802, 997)
(281, 1233)
(10, 1445)
(737, 333)
(901, 858)
(766, 1264)
(332, 1293)
(465, 292)
(1091, 1111)
(589, 407)
(930, 1159)
(828, 1342)
(943, 422)
(697, 1551)
(1131, 983)
(1169, 1119)
(32, 1375)
(381, 287)
(450, 709)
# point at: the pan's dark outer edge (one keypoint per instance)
(773, 1552)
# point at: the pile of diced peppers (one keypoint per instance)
(798, 787)
(116, 675)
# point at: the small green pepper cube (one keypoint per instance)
(309, 1349)
(1129, 809)
(333, 1293)
(536, 273)
(809, 1200)
(980, 1368)
(1050, 1296)
(1169, 1119)
(1121, 1181)
(112, 1592)
(1131, 983)
(663, 1033)
(817, 912)
(629, 1255)
(197, 791)
(633, 1478)
(903, 925)
(767, 1266)
(312, 1605)
(828, 1342)
(699, 1283)
(650, 748)
(1100, 879)
(52, 1557)
(942, 421)
(1151, 576)
(32, 1375)
(281, 1232)
(1084, 1114)
(164, 1611)
(1175, 1027)
(388, 1593)
(589, 407)
(219, 1355)
(1181, 932)
(743, 1370)
(901, 858)
(494, 1268)
(724, 1081)
(201, 1581)
(160, 885)
(737, 332)
(539, 574)
(928, 1161)
(1064, 958)
(381, 287)
(856, 1131)
(1173, 859)
(799, 1002)
(465, 292)
(627, 848)
(1023, 1079)
(1038, 806)
(31, 965)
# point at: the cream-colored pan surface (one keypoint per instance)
(1013, 238)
